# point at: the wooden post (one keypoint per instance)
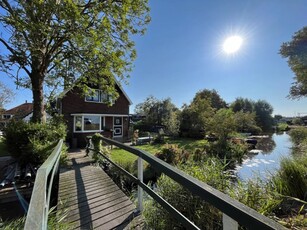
(229, 223)
(140, 190)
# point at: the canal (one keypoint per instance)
(266, 162)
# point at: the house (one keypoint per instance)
(20, 112)
(86, 115)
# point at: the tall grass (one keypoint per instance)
(291, 178)
(200, 212)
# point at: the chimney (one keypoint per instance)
(26, 101)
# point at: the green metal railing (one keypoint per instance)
(234, 212)
(45, 181)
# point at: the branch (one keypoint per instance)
(14, 52)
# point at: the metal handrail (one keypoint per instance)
(37, 217)
(233, 211)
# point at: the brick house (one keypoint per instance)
(86, 115)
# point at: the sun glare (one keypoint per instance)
(232, 44)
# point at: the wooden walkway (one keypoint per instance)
(92, 200)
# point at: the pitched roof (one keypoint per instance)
(20, 110)
(117, 83)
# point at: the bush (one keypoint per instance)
(282, 127)
(198, 211)
(33, 142)
(298, 135)
(291, 178)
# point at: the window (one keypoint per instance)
(88, 123)
(97, 96)
(91, 123)
(6, 116)
(78, 123)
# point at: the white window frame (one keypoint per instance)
(102, 97)
(101, 126)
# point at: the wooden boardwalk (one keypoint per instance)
(92, 199)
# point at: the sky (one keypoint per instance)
(182, 52)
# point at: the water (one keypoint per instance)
(266, 163)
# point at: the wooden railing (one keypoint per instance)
(234, 212)
(45, 181)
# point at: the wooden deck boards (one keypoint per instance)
(92, 199)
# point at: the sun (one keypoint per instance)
(232, 44)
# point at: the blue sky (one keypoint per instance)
(181, 53)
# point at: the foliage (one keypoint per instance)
(3, 148)
(55, 43)
(159, 113)
(198, 211)
(263, 111)
(282, 127)
(55, 221)
(277, 117)
(221, 124)
(212, 97)
(298, 135)
(195, 117)
(291, 178)
(242, 105)
(33, 142)
(297, 121)
(296, 53)
(245, 122)
(257, 195)
(6, 95)
(172, 154)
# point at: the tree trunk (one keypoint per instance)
(37, 80)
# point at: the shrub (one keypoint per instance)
(194, 208)
(282, 127)
(257, 195)
(33, 142)
(298, 135)
(291, 178)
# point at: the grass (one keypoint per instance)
(122, 156)
(3, 149)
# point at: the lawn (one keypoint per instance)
(3, 150)
(123, 157)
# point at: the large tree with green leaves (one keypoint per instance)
(160, 112)
(213, 97)
(52, 42)
(296, 52)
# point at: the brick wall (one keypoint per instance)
(73, 102)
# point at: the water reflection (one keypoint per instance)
(267, 145)
(266, 161)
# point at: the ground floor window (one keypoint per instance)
(88, 123)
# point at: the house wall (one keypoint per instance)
(74, 103)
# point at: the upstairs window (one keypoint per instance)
(97, 96)
(6, 116)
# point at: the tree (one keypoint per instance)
(242, 104)
(6, 95)
(213, 97)
(222, 123)
(195, 117)
(296, 52)
(160, 112)
(49, 43)
(246, 122)
(263, 111)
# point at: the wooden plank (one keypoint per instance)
(93, 200)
